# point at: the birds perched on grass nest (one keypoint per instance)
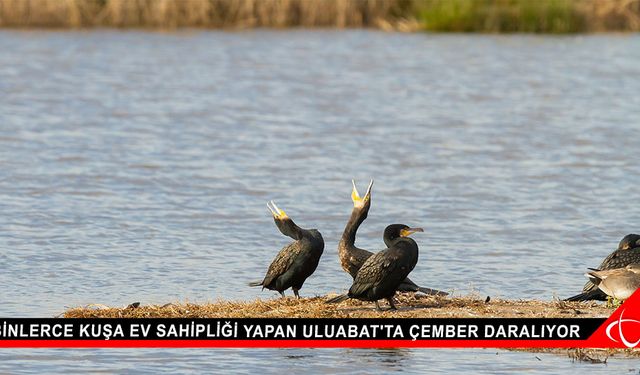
(378, 276)
(352, 257)
(383, 272)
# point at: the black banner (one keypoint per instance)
(298, 329)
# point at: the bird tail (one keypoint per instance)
(592, 295)
(337, 299)
(593, 277)
(432, 292)
(255, 283)
(410, 286)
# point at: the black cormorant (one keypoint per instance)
(383, 272)
(353, 257)
(628, 252)
(297, 260)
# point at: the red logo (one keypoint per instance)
(617, 325)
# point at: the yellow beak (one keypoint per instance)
(275, 211)
(409, 231)
(355, 196)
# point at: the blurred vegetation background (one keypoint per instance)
(493, 16)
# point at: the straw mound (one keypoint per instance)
(409, 305)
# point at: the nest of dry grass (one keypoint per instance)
(409, 305)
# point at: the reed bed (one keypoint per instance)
(198, 13)
(530, 16)
(409, 305)
(544, 16)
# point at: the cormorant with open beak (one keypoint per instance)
(628, 252)
(353, 257)
(297, 260)
(383, 272)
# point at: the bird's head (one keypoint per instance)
(633, 267)
(360, 202)
(629, 241)
(277, 213)
(395, 231)
(283, 221)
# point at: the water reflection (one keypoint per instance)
(393, 358)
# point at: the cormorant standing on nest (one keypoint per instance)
(628, 252)
(383, 272)
(352, 257)
(296, 261)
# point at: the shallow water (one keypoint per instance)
(275, 361)
(136, 167)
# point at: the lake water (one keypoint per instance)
(136, 166)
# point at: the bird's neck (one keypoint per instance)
(388, 241)
(290, 229)
(402, 242)
(357, 217)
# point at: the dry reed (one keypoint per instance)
(410, 306)
(198, 13)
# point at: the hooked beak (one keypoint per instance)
(275, 211)
(409, 231)
(355, 196)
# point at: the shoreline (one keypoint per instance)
(294, 29)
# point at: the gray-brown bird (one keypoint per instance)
(618, 283)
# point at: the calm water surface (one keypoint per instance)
(136, 167)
